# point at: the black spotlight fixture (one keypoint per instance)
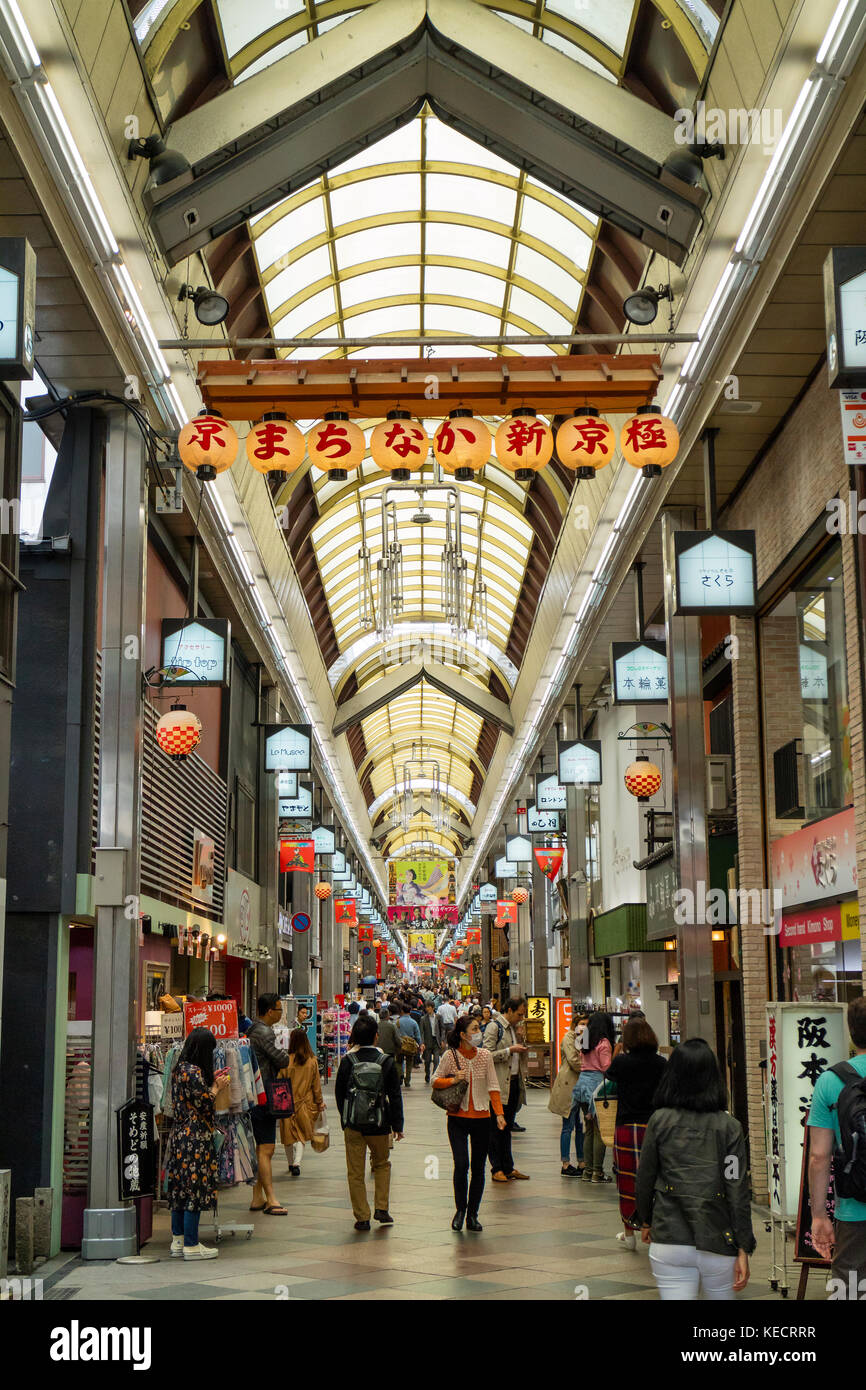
(210, 308)
(642, 307)
(165, 164)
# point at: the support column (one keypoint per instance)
(696, 988)
(268, 972)
(303, 900)
(575, 831)
(540, 930)
(332, 952)
(109, 1225)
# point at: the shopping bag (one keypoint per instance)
(280, 1101)
(606, 1106)
(321, 1135)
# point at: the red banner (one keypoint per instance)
(506, 912)
(219, 1015)
(365, 933)
(345, 913)
(474, 935)
(549, 861)
(297, 856)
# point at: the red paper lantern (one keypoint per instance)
(462, 445)
(520, 896)
(178, 732)
(642, 778)
(322, 891)
(336, 445)
(398, 445)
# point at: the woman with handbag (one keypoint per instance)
(191, 1176)
(466, 1086)
(596, 1055)
(562, 1102)
(303, 1072)
(636, 1072)
(272, 1060)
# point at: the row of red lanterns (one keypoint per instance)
(524, 444)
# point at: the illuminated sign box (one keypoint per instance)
(17, 308)
(300, 806)
(845, 314)
(541, 822)
(200, 649)
(287, 747)
(639, 671)
(715, 572)
(325, 839)
(579, 762)
(550, 795)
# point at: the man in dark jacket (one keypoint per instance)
(271, 1060)
(378, 1140)
(428, 1040)
(389, 1038)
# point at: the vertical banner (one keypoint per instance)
(297, 856)
(506, 912)
(562, 1020)
(803, 1041)
(345, 912)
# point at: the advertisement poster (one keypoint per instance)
(297, 856)
(506, 912)
(219, 1015)
(817, 862)
(422, 883)
(345, 912)
(203, 856)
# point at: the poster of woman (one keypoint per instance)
(422, 883)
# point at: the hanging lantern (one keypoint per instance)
(642, 778)
(585, 442)
(336, 445)
(322, 891)
(524, 444)
(178, 732)
(207, 445)
(462, 449)
(398, 445)
(649, 440)
(275, 445)
(519, 896)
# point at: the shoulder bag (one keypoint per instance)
(606, 1106)
(449, 1097)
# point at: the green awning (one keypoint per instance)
(622, 931)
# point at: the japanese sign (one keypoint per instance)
(715, 572)
(196, 653)
(562, 1016)
(287, 784)
(845, 314)
(549, 795)
(852, 404)
(17, 308)
(297, 856)
(287, 747)
(487, 898)
(661, 885)
(518, 849)
(803, 1041)
(504, 868)
(538, 1009)
(136, 1151)
(421, 883)
(219, 1015)
(324, 839)
(817, 862)
(298, 807)
(814, 681)
(541, 822)
(579, 762)
(640, 672)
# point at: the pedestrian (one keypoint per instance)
(367, 1092)
(271, 1060)
(636, 1073)
(562, 1100)
(302, 1017)
(597, 1042)
(509, 1058)
(692, 1183)
(446, 1017)
(469, 1123)
(303, 1072)
(428, 1040)
(192, 1155)
(830, 1121)
(410, 1043)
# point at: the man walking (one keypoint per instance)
(830, 1122)
(409, 1033)
(510, 1061)
(428, 1041)
(271, 1060)
(389, 1038)
(446, 1017)
(367, 1091)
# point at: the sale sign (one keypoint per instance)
(220, 1016)
(297, 856)
(345, 912)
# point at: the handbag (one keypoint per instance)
(449, 1097)
(280, 1101)
(606, 1106)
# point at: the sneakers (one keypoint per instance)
(200, 1252)
(628, 1242)
(384, 1218)
(569, 1172)
(177, 1247)
(601, 1177)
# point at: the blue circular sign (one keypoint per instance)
(366, 950)
(301, 921)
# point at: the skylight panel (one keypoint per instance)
(379, 284)
(369, 197)
(291, 231)
(273, 55)
(469, 243)
(316, 265)
(243, 22)
(450, 147)
(478, 197)
(312, 311)
(442, 318)
(608, 20)
(554, 230)
(579, 55)
(541, 270)
(463, 284)
(398, 239)
(399, 318)
(539, 314)
(398, 147)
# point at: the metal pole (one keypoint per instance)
(696, 986)
(640, 619)
(109, 1225)
(708, 439)
(496, 340)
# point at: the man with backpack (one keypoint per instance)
(837, 1120)
(367, 1091)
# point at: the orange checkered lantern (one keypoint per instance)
(207, 445)
(178, 732)
(649, 441)
(642, 778)
(275, 445)
(585, 442)
(322, 891)
(519, 896)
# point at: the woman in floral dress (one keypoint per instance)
(192, 1155)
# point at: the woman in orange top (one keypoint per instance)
(469, 1124)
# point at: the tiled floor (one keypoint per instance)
(550, 1238)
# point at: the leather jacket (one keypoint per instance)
(693, 1184)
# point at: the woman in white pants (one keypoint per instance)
(693, 1192)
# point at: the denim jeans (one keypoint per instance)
(185, 1223)
(571, 1125)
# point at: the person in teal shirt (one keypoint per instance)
(846, 1245)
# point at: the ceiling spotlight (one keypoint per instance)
(642, 306)
(165, 164)
(210, 308)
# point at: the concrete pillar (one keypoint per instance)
(303, 900)
(540, 929)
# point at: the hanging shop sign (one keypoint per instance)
(504, 868)
(541, 822)
(715, 572)
(814, 676)
(639, 671)
(17, 308)
(338, 862)
(301, 922)
(365, 933)
(345, 912)
(845, 315)
(817, 862)
(284, 924)
(287, 784)
(506, 912)
(487, 898)
(242, 908)
(203, 866)
(297, 856)
(550, 795)
(136, 1151)
(538, 1012)
(325, 840)
(287, 747)
(578, 762)
(298, 807)
(852, 405)
(421, 883)
(171, 1027)
(563, 1014)
(196, 653)
(661, 888)
(803, 1041)
(220, 1016)
(549, 861)
(518, 849)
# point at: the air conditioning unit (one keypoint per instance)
(788, 781)
(719, 782)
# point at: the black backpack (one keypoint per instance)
(364, 1106)
(849, 1162)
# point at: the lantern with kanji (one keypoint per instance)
(462, 445)
(520, 896)
(178, 732)
(336, 445)
(398, 445)
(524, 444)
(649, 440)
(207, 445)
(585, 442)
(275, 446)
(322, 891)
(642, 778)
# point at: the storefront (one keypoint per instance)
(635, 967)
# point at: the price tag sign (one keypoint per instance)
(219, 1015)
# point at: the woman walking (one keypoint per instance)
(192, 1155)
(562, 1101)
(596, 1057)
(303, 1072)
(469, 1122)
(637, 1071)
(692, 1183)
